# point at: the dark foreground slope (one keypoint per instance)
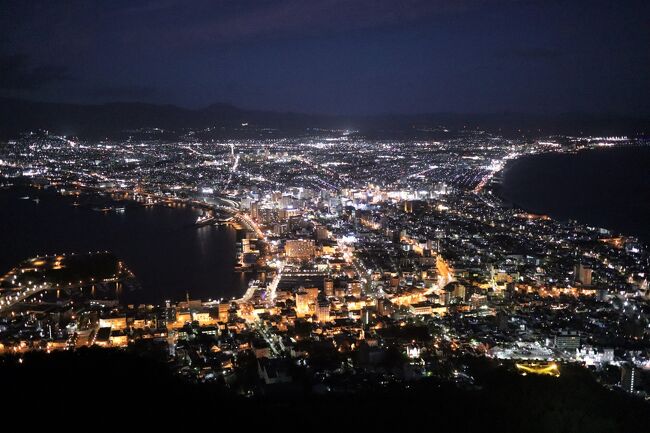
(114, 391)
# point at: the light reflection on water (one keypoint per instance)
(168, 254)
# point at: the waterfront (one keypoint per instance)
(607, 188)
(395, 260)
(167, 253)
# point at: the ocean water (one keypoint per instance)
(168, 254)
(607, 187)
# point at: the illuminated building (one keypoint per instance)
(280, 229)
(323, 310)
(567, 341)
(629, 377)
(143, 323)
(118, 339)
(411, 206)
(288, 213)
(328, 287)
(255, 210)
(478, 301)
(421, 308)
(102, 338)
(299, 249)
(459, 292)
(204, 318)
(224, 311)
(181, 319)
(385, 307)
(305, 300)
(115, 323)
(368, 315)
(245, 245)
(583, 274)
(355, 288)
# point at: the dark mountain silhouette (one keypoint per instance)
(113, 119)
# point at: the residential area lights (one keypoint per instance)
(358, 249)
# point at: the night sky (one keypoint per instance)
(333, 56)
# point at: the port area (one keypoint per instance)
(53, 278)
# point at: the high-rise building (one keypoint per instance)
(459, 292)
(582, 274)
(305, 300)
(629, 377)
(323, 310)
(321, 233)
(567, 341)
(170, 312)
(385, 307)
(355, 288)
(224, 311)
(245, 203)
(245, 246)
(255, 210)
(328, 287)
(289, 212)
(368, 315)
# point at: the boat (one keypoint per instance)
(205, 219)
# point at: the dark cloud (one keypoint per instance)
(181, 22)
(16, 73)
(337, 56)
(222, 23)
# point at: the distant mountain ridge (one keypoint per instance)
(109, 119)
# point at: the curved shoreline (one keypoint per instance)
(554, 190)
(209, 275)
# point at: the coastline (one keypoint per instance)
(154, 232)
(529, 183)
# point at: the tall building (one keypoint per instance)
(629, 377)
(328, 287)
(385, 307)
(245, 246)
(323, 310)
(567, 341)
(321, 233)
(170, 312)
(582, 274)
(245, 203)
(368, 315)
(305, 300)
(355, 288)
(289, 212)
(459, 292)
(255, 210)
(224, 312)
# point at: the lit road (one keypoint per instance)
(272, 287)
(11, 299)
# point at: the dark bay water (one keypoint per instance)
(607, 188)
(167, 253)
